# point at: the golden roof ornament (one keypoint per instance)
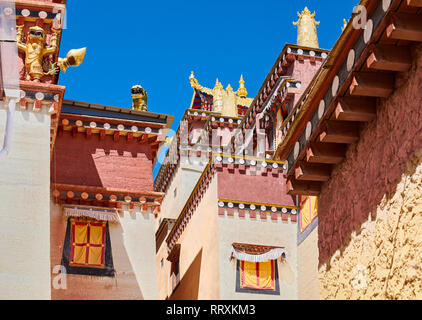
(139, 97)
(73, 58)
(226, 101)
(306, 29)
(36, 48)
(242, 92)
(218, 85)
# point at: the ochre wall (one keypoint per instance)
(163, 272)
(199, 272)
(307, 267)
(380, 179)
(89, 161)
(133, 251)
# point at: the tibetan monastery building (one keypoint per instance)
(310, 189)
(78, 208)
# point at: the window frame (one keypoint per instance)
(106, 271)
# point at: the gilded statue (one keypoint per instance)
(307, 29)
(36, 48)
(139, 97)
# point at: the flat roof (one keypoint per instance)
(102, 111)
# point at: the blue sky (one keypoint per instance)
(158, 43)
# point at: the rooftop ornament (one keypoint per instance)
(306, 29)
(139, 97)
(226, 101)
(36, 48)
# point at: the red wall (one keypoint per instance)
(304, 71)
(88, 161)
(253, 188)
(374, 166)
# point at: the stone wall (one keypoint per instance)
(370, 211)
(383, 260)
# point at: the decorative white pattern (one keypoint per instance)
(96, 213)
(273, 254)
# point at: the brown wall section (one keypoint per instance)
(88, 161)
(253, 187)
(374, 166)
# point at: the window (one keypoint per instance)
(87, 248)
(257, 277)
(175, 192)
(87, 244)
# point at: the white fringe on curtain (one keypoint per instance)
(273, 254)
(98, 214)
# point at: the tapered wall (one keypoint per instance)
(370, 210)
(24, 214)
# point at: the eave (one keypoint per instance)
(106, 197)
(358, 74)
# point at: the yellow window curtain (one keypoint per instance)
(308, 211)
(88, 244)
(257, 275)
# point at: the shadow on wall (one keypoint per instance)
(188, 288)
(79, 160)
(374, 166)
(123, 286)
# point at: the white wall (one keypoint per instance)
(24, 207)
(139, 241)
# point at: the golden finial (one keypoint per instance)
(229, 88)
(242, 92)
(73, 58)
(306, 29)
(218, 85)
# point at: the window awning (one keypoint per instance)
(100, 214)
(256, 253)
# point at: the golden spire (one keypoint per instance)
(242, 92)
(218, 85)
(306, 29)
(225, 102)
